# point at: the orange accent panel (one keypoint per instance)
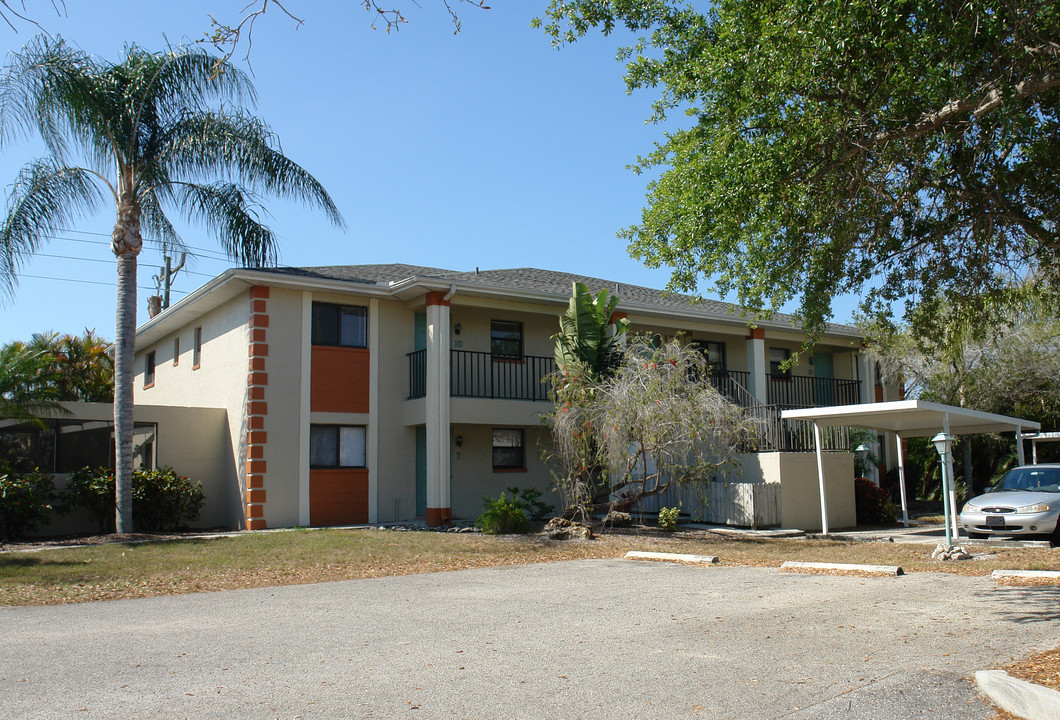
(258, 350)
(257, 364)
(256, 452)
(338, 496)
(256, 495)
(258, 378)
(259, 320)
(257, 408)
(259, 291)
(255, 482)
(879, 393)
(257, 306)
(256, 393)
(255, 423)
(439, 516)
(618, 316)
(257, 437)
(257, 335)
(437, 298)
(256, 524)
(257, 467)
(339, 380)
(255, 511)
(757, 334)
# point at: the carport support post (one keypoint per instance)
(818, 443)
(952, 492)
(1019, 446)
(901, 480)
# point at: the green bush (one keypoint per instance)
(26, 501)
(668, 518)
(502, 516)
(872, 504)
(94, 491)
(162, 499)
(529, 499)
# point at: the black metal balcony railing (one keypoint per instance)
(417, 374)
(484, 375)
(801, 392)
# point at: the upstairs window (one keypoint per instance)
(340, 325)
(176, 351)
(714, 352)
(149, 369)
(196, 351)
(508, 449)
(336, 446)
(777, 357)
(506, 338)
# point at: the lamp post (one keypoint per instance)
(862, 451)
(943, 443)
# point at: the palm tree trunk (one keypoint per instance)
(126, 243)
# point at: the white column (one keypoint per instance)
(952, 490)
(1019, 447)
(818, 443)
(901, 481)
(437, 410)
(303, 409)
(867, 386)
(757, 366)
(372, 439)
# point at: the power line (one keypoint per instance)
(108, 262)
(88, 282)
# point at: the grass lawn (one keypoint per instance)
(127, 570)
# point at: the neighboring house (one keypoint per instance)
(375, 393)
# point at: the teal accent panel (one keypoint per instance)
(421, 470)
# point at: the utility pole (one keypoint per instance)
(164, 280)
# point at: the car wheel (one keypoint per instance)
(977, 536)
(1055, 537)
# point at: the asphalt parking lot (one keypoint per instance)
(597, 638)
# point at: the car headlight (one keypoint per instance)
(1040, 507)
(969, 507)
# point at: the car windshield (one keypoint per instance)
(1030, 479)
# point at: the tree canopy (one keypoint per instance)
(897, 149)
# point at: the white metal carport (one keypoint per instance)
(907, 418)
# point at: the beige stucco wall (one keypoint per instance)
(800, 496)
(220, 381)
(473, 476)
(284, 397)
(396, 467)
(538, 328)
(191, 440)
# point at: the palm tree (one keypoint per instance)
(147, 135)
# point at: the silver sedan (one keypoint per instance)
(1026, 501)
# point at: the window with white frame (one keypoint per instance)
(508, 449)
(777, 357)
(337, 446)
(340, 325)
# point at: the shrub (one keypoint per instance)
(26, 501)
(162, 499)
(872, 504)
(529, 499)
(94, 491)
(668, 518)
(502, 516)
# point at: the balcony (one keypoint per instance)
(793, 391)
(483, 375)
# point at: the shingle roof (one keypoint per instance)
(536, 280)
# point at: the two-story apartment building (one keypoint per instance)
(374, 393)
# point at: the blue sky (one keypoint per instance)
(489, 148)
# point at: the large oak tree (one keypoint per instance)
(898, 149)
